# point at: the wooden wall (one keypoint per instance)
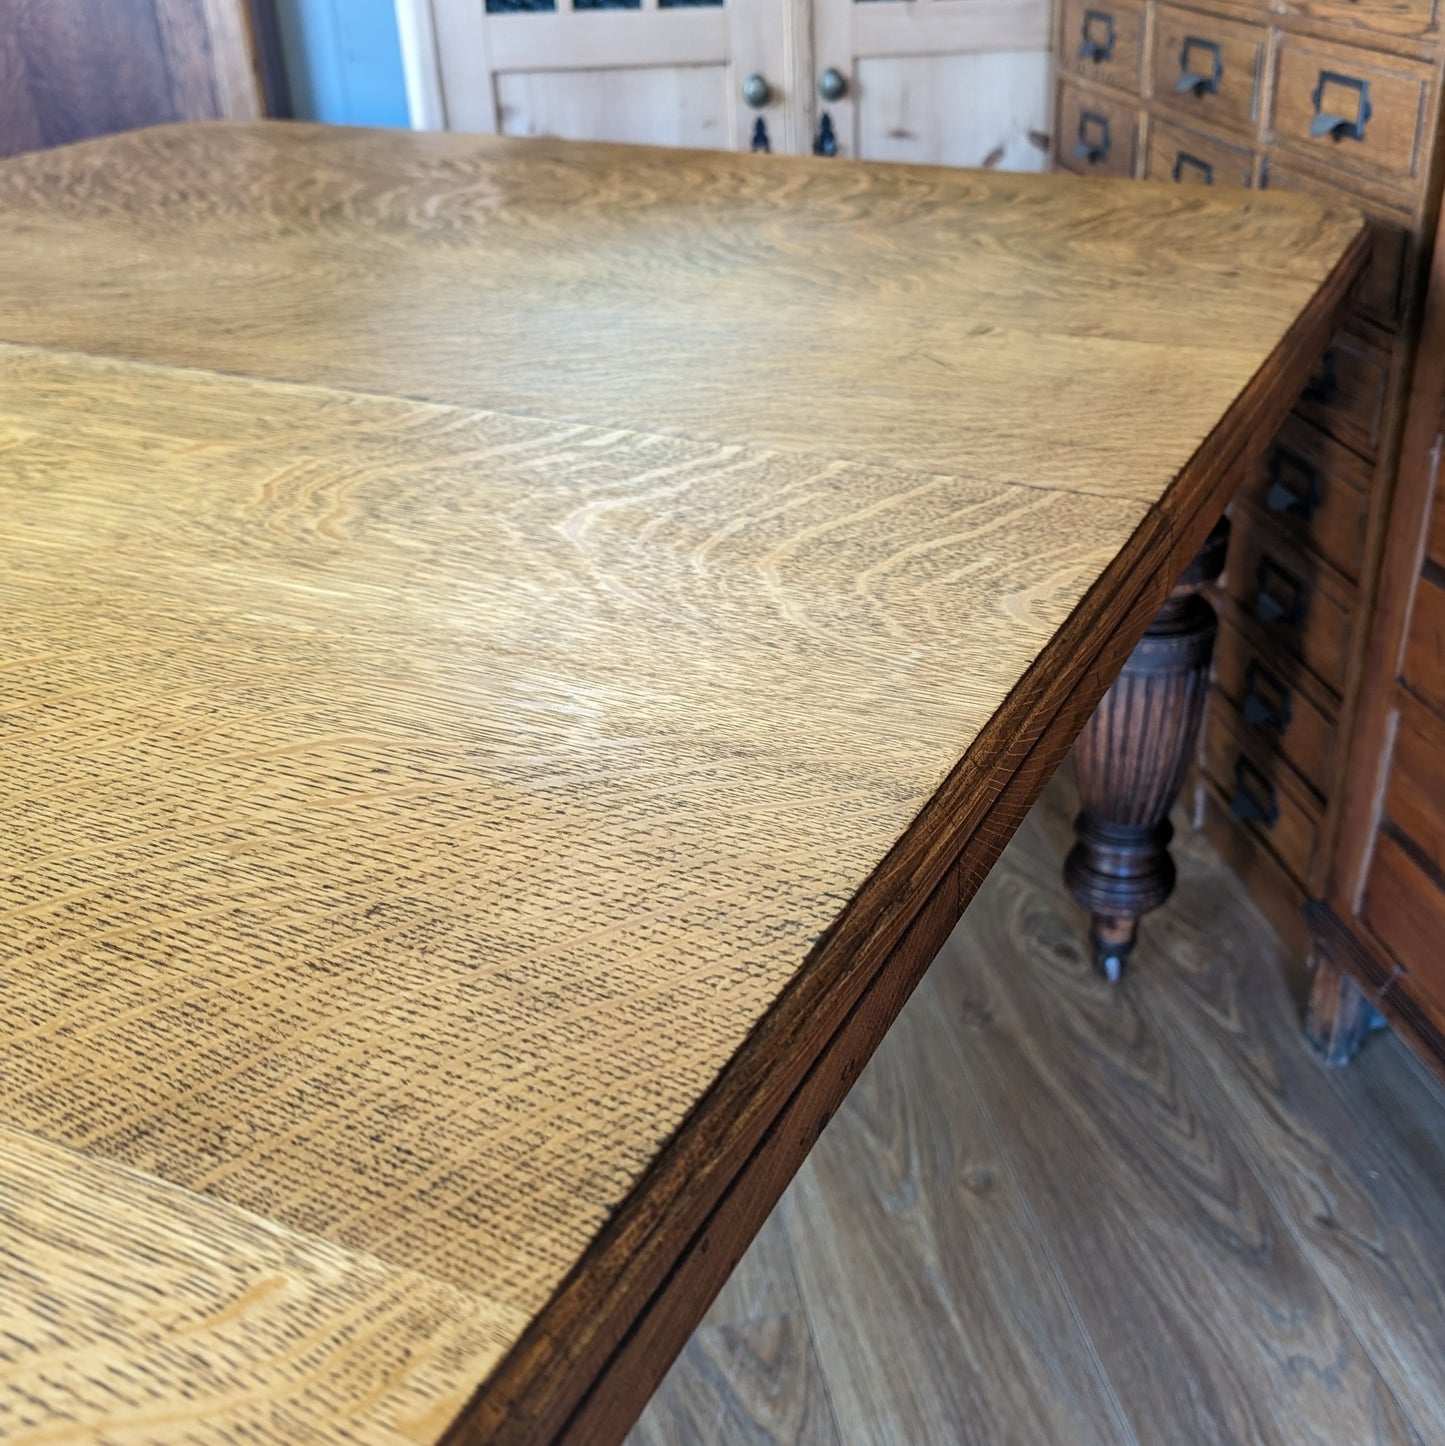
(70, 69)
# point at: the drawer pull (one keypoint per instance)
(1294, 485)
(1266, 699)
(1253, 799)
(1281, 595)
(1331, 116)
(1183, 161)
(1193, 79)
(1096, 41)
(1093, 142)
(1321, 387)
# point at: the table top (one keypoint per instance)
(499, 644)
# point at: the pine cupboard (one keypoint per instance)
(951, 82)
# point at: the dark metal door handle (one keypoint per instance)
(760, 140)
(825, 143)
(1281, 595)
(1092, 144)
(1266, 699)
(1254, 799)
(1201, 67)
(1092, 45)
(1294, 484)
(1334, 122)
(1183, 161)
(1325, 383)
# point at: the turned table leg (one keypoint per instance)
(1132, 757)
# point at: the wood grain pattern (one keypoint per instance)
(137, 1310)
(482, 836)
(1185, 37)
(1368, 1217)
(1119, 1150)
(984, 109)
(1194, 158)
(717, 1247)
(911, 1169)
(404, 758)
(917, 1200)
(678, 105)
(310, 784)
(757, 1381)
(1396, 143)
(723, 296)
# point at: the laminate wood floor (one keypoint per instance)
(1055, 1211)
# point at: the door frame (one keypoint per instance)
(421, 69)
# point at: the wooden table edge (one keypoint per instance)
(593, 1355)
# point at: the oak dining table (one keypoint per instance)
(513, 658)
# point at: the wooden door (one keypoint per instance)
(661, 72)
(73, 68)
(948, 82)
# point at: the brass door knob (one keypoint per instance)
(832, 84)
(756, 91)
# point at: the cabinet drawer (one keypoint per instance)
(1102, 42)
(1277, 892)
(1316, 492)
(1208, 69)
(1346, 395)
(1424, 666)
(1353, 110)
(1405, 909)
(1403, 902)
(1263, 796)
(1435, 528)
(1405, 18)
(1177, 154)
(1392, 242)
(1272, 708)
(1096, 134)
(1415, 791)
(1293, 600)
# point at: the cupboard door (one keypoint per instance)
(705, 73)
(943, 82)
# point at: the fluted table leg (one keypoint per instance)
(1132, 757)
